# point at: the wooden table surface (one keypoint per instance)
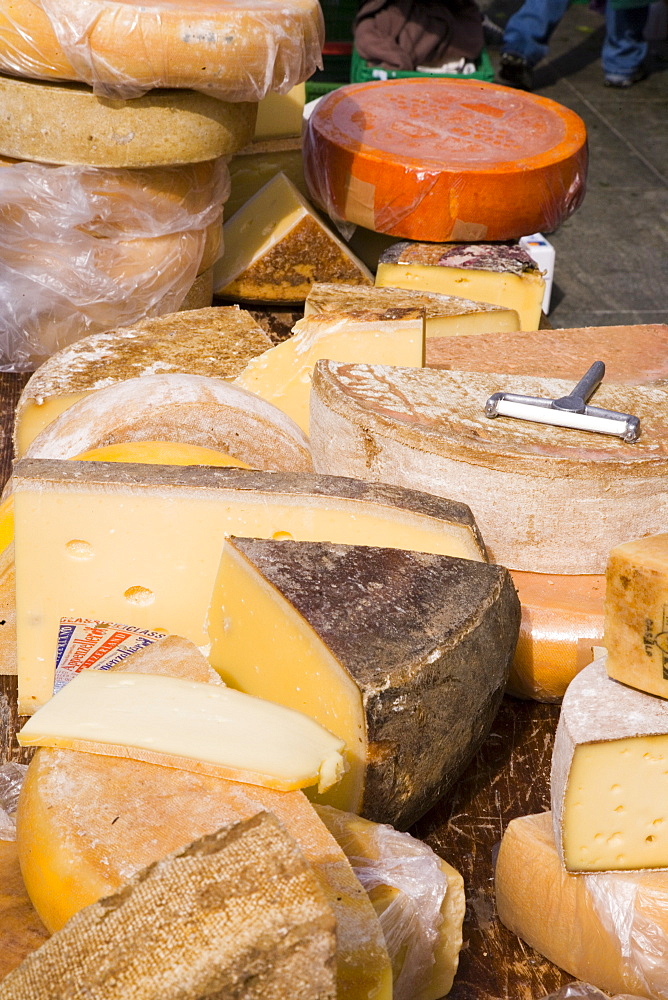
(509, 777)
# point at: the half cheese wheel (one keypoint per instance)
(445, 159)
(235, 50)
(67, 124)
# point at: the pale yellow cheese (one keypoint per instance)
(282, 375)
(276, 247)
(256, 164)
(153, 534)
(610, 776)
(196, 726)
(281, 115)
(636, 614)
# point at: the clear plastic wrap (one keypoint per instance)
(83, 250)
(11, 779)
(585, 991)
(408, 886)
(234, 50)
(444, 160)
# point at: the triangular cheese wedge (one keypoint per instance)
(276, 247)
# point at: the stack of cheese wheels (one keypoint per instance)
(164, 93)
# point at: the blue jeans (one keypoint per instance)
(529, 30)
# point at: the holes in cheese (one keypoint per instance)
(179, 723)
(282, 375)
(610, 776)
(367, 641)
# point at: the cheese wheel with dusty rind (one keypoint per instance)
(200, 294)
(444, 159)
(234, 50)
(67, 124)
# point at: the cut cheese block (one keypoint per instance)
(238, 913)
(547, 499)
(419, 899)
(189, 409)
(382, 647)
(192, 725)
(68, 124)
(501, 274)
(610, 930)
(631, 354)
(562, 620)
(235, 50)
(636, 614)
(256, 164)
(277, 247)
(143, 536)
(200, 293)
(446, 315)
(218, 342)
(7, 614)
(444, 159)
(160, 453)
(610, 776)
(172, 656)
(282, 375)
(280, 115)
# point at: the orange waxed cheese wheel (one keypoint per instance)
(562, 618)
(444, 159)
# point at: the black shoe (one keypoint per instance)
(516, 71)
(622, 82)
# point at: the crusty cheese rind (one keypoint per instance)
(531, 487)
(67, 124)
(192, 409)
(198, 923)
(596, 710)
(200, 293)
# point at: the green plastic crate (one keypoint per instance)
(362, 71)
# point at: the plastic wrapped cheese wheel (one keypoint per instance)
(444, 159)
(235, 50)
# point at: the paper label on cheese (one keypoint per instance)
(85, 644)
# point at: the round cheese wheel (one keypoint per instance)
(68, 124)
(444, 159)
(235, 50)
(562, 618)
(200, 293)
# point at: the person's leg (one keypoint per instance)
(624, 49)
(529, 30)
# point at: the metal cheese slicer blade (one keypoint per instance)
(569, 411)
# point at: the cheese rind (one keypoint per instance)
(609, 776)
(218, 342)
(283, 374)
(609, 930)
(419, 899)
(500, 274)
(239, 912)
(277, 247)
(636, 614)
(532, 488)
(446, 315)
(162, 528)
(368, 641)
(188, 409)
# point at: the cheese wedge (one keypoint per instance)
(237, 913)
(257, 163)
(636, 614)
(277, 247)
(217, 342)
(446, 315)
(188, 409)
(283, 374)
(68, 124)
(143, 536)
(501, 274)
(419, 899)
(548, 499)
(307, 625)
(609, 930)
(280, 115)
(175, 722)
(610, 776)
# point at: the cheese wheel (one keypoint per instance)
(562, 618)
(200, 294)
(68, 124)
(235, 50)
(444, 159)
